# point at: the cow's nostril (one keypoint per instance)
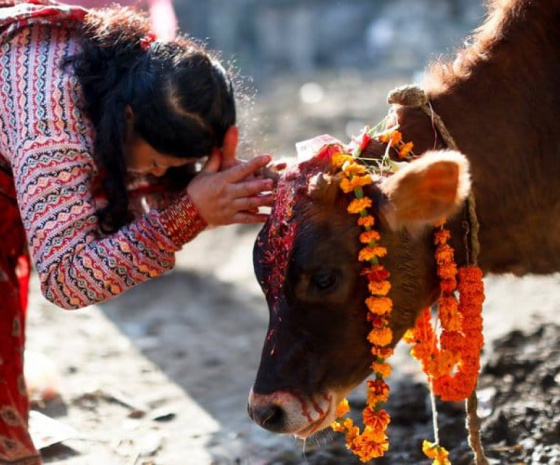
(270, 417)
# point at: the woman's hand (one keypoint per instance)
(226, 191)
(229, 149)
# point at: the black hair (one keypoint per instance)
(181, 96)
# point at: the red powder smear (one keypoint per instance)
(277, 238)
(328, 151)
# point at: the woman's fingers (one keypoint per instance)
(248, 217)
(233, 195)
(242, 170)
(252, 203)
(252, 187)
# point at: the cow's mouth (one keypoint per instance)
(320, 424)
(291, 413)
(326, 418)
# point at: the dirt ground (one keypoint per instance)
(161, 374)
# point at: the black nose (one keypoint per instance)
(270, 417)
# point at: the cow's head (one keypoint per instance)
(305, 258)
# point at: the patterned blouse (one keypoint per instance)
(46, 142)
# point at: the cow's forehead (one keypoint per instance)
(277, 238)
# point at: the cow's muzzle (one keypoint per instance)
(289, 413)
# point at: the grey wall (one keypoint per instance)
(271, 37)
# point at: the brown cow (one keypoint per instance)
(499, 99)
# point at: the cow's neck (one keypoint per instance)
(501, 108)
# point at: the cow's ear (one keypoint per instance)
(324, 187)
(426, 190)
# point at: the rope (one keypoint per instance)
(473, 423)
(414, 96)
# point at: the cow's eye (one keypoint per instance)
(324, 280)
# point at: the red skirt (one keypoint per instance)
(15, 443)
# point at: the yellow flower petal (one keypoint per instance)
(342, 409)
(338, 159)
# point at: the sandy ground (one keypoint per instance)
(161, 374)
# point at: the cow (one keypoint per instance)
(499, 99)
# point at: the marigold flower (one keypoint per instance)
(455, 388)
(442, 236)
(476, 340)
(338, 427)
(471, 273)
(380, 336)
(436, 452)
(373, 435)
(376, 419)
(378, 392)
(474, 297)
(448, 303)
(473, 291)
(349, 185)
(338, 159)
(343, 408)
(376, 273)
(382, 352)
(447, 270)
(444, 363)
(352, 431)
(448, 285)
(357, 205)
(405, 149)
(351, 168)
(379, 305)
(377, 385)
(409, 337)
(452, 340)
(472, 322)
(379, 287)
(390, 137)
(448, 313)
(366, 221)
(346, 185)
(368, 236)
(367, 253)
(366, 449)
(444, 254)
(383, 369)
(377, 321)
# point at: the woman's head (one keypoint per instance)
(174, 99)
(181, 99)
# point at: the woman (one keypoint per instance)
(91, 104)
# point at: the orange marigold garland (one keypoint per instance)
(450, 362)
(371, 442)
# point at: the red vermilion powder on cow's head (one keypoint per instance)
(276, 240)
